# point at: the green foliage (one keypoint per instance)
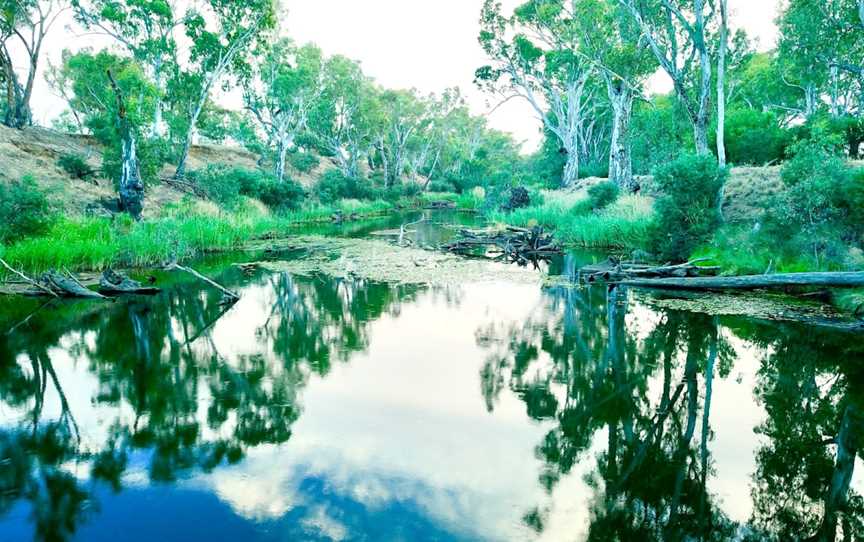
(661, 133)
(334, 185)
(76, 166)
(602, 195)
(225, 185)
(304, 162)
(753, 137)
(688, 211)
(24, 210)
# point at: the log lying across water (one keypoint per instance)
(616, 270)
(754, 282)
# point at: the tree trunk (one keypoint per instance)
(721, 84)
(190, 134)
(158, 80)
(620, 160)
(130, 185)
(754, 282)
(281, 157)
(571, 170)
(848, 443)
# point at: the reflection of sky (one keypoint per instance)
(395, 444)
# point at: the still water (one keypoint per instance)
(341, 409)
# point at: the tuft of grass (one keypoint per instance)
(623, 224)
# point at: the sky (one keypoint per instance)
(421, 44)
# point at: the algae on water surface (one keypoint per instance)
(384, 262)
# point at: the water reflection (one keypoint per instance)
(337, 409)
(631, 392)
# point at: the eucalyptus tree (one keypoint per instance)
(613, 44)
(823, 42)
(679, 35)
(402, 119)
(28, 22)
(221, 35)
(341, 122)
(147, 29)
(283, 92)
(535, 57)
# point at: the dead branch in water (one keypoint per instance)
(231, 297)
(28, 280)
(516, 245)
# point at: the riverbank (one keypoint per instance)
(184, 231)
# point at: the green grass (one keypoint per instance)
(624, 224)
(92, 244)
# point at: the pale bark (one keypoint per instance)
(620, 157)
(221, 67)
(130, 185)
(721, 83)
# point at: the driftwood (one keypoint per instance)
(185, 186)
(229, 296)
(68, 286)
(113, 283)
(28, 279)
(754, 282)
(617, 270)
(515, 245)
(443, 204)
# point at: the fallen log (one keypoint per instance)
(616, 270)
(68, 286)
(516, 245)
(754, 282)
(229, 296)
(113, 283)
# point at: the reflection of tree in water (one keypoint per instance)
(810, 384)
(650, 477)
(636, 403)
(157, 359)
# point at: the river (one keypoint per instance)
(321, 408)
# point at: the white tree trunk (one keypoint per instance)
(620, 157)
(721, 84)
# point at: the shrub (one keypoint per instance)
(688, 211)
(76, 166)
(284, 195)
(603, 195)
(334, 186)
(24, 210)
(753, 137)
(304, 162)
(440, 186)
(225, 185)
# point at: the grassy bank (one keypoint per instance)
(623, 224)
(182, 231)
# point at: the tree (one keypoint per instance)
(678, 33)
(535, 57)
(283, 93)
(29, 21)
(129, 186)
(624, 62)
(219, 36)
(402, 117)
(721, 82)
(146, 29)
(341, 122)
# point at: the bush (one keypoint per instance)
(304, 162)
(225, 185)
(76, 166)
(753, 137)
(334, 186)
(281, 196)
(24, 210)
(688, 211)
(440, 186)
(603, 195)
